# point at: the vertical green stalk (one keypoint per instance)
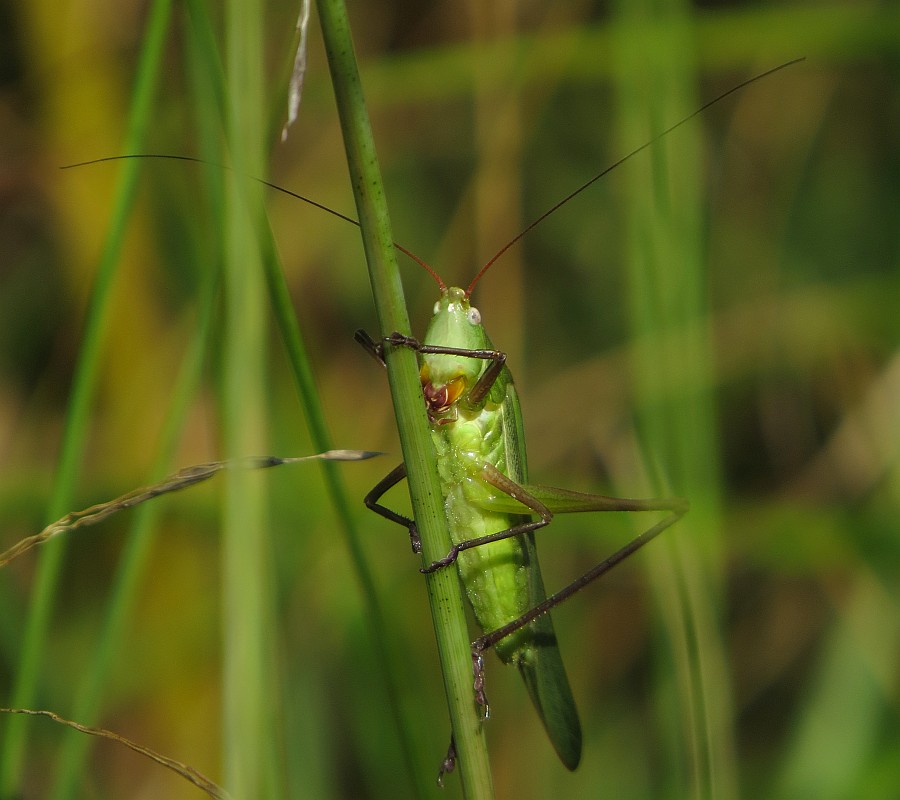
(447, 608)
(246, 608)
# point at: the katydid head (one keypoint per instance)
(447, 376)
(455, 325)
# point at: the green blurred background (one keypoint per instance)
(752, 653)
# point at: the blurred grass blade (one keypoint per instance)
(76, 427)
(667, 295)
(844, 705)
(249, 695)
(388, 651)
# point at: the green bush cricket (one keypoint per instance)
(478, 436)
(491, 507)
(477, 432)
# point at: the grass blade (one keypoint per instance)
(76, 428)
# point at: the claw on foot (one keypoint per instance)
(397, 339)
(448, 764)
(478, 684)
(446, 561)
(415, 540)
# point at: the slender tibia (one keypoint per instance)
(487, 641)
(371, 500)
(483, 643)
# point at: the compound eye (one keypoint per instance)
(474, 316)
(437, 307)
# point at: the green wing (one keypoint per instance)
(540, 662)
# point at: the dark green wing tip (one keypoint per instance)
(551, 695)
(565, 735)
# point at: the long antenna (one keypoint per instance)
(421, 262)
(270, 185)
(622, 160)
